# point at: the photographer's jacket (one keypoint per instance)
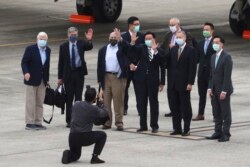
(84, 115)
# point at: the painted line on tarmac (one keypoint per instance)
(192, 136)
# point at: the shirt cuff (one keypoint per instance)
(224, 92)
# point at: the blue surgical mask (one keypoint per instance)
(73, 38)
(41, 43)
(148, 43)
(216, 47)
(137, 28)
(179, 41)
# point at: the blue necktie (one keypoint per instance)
(73, 59)
(216, 60)
(206, 46)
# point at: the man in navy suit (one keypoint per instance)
(204, 54)
(133, 27)
(220, 89)
(72, 67)
(169, 41)
(149, 78)
(181, 71)
(112, 68)
(35, 66)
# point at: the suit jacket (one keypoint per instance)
(133, 58)
(64, 67)
(220, 76)
(152, 69)
(101, 62)
(32, 63)
(203, 59)
(181, 72)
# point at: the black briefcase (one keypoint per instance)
(49, 96)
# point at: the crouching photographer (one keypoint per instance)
(84, 115)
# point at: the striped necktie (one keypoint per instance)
(150, 54)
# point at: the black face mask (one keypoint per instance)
(113, 42)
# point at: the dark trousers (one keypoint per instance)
(77, 140)
(73, 88)
(129, 79)
(222, 114)
(148, 91)
(180, 105)
(202, 90)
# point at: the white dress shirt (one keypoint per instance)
(42, 54)
(112, 64)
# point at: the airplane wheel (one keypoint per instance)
(107, 10)
(236, 26)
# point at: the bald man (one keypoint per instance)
(35, 67)
(112, 68)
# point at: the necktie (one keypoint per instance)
(179, 52)
(206, 46)
(73, 59)
(150, 55)
(216, 60)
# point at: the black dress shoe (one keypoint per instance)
(96, 160)
(175, 133)
(120, 128)
(154, 130)
(125, 112)
(141, 129)
(68, 125)
(65, 157)
(106, 127)
(214, 136)
(186, 133)
(223, 139)
(168, 115)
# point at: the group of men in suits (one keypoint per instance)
(134, 56)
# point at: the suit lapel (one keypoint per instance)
(220, 59)
(39, 56)
(68, 52)
(182, 53)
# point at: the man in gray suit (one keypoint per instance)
(169, 41)
(220, 89)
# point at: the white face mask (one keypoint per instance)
(173, 29)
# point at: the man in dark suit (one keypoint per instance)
(181, 71)
(149, 78)
(72, 67)
(35, 66)
(204, 54)
(169, 41)
(133, 27)
(220, 90)
(112, 68)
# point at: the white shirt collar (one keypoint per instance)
(219, 53)
(183, 46)
(113, 47)
(208, 39)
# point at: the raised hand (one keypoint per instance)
(89, 34)
(117, 33)
(133, 37)
(154, 44)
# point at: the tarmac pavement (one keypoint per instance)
(20, 21)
